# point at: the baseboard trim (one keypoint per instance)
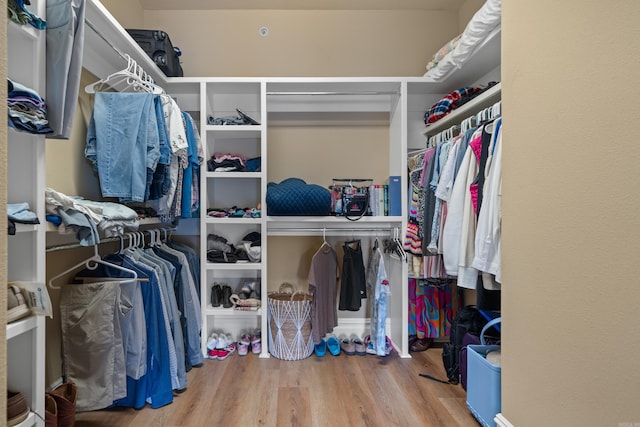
(501, 421)
(360, 327)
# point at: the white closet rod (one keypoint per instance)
(487, 113)
(108, 240)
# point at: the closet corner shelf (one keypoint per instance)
(238, 266)
(484, 100)
(21, 326)
(217, 311)
(29, 421)
(235, 132)
(233, 175)
(24, 30)
(25, 228)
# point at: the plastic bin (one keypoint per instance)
(484, 397)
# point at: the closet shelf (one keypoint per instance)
(234, 131)
(22, 30)
(21, 326)
(234, 266)
(26, 228)
(211, 311)
(316, 225)
(233, 174)
(242, 221)
(29, 421)
(484, 100)
(102, 58)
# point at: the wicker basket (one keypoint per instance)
(289, 318)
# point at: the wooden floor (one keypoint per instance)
(328, 391)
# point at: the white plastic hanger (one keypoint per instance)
(326, 246)
(130, 79)
(91, 264)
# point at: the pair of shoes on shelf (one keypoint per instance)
(251, 342)
(332, 344)
(60, 406)
(352, 346)
(221, 295)
(220, 346)
(17, 307)
(371, 348)
(250, 290)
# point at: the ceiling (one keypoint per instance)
(303, 4)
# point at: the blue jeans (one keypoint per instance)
(122, 143)
(65, 44)
(161, 180)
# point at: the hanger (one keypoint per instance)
(130, 79)
(91, 264)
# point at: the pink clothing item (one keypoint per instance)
(476, 146)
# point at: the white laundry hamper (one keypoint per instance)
(289, 323)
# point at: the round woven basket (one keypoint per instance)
(289, 317)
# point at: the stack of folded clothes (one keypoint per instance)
(27, 110)
(18, 13)
(87, 219)
(219, 249)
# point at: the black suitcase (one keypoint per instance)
(157, 44)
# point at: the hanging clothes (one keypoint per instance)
(488, 234)
(93, 354)
(353, 284)
(122, 143)
(323, 286)
(65, 46)
(379, 303)
(433, 304)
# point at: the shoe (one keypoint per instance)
(225, 347)
(359, 346)
(245, 292)
(371, 349)
(50, 411)
(244, 344)
(421, 344)
(17, 307)
(320, 348)
(216, 295)
(66, 396)
(17, 408)
(226, 296)
(333, 345)
(347, 346)
(212, 352)
(256, 342)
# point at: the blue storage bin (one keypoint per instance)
(484, 397)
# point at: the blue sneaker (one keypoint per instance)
(334, 345)
(321, 348)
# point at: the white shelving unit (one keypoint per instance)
(398, 101)
(224, 190)
(26, 249)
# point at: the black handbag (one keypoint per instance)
(350, 198)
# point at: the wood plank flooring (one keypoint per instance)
(329, 391)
